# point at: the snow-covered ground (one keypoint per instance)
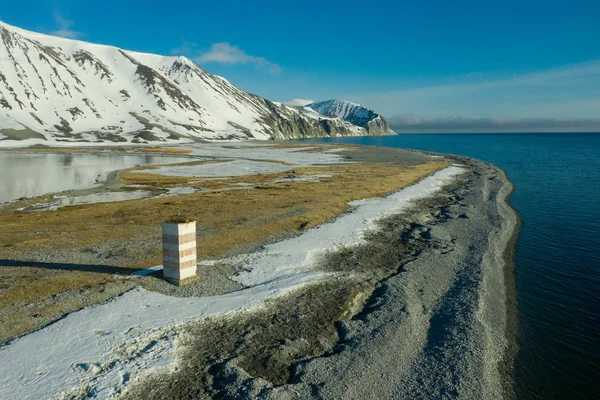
(104, 347)
(262, 151)
(227, 168)
(105, 197)
(295, 256)
(298, 102)
(247, 158)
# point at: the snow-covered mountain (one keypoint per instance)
(54, 89)
(356, 114)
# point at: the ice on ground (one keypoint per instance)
(260, 151)
(296, 255)
(176, 191)
(250, 159)
(227, 168)
(104, 347)
(71, 353)
(106, 197)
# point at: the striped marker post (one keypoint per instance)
(179, 251)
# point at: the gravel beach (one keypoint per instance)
(421, 307)
(438, 328)
(431, 324)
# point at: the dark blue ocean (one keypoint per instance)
(557, 271)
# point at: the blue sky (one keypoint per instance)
(457, 63)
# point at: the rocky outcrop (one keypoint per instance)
(356, 114)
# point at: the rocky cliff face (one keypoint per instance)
(60, 90)
(373, 123)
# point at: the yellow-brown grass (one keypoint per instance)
(139, 176)
(148, 178)
(218, 212)
(229, 220)
(37, 283)
(21, 305)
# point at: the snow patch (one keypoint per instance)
(106, 346)
(106, 197)
(295, 256)
(255, 151)
(298, 102)
(227, 168)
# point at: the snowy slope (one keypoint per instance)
(61, 90)
(353, 113)
(298, 102)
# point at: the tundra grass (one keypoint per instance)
(164, 150)
(228, 221)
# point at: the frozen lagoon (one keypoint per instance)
(34, 174)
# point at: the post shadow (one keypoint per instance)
(100, 269)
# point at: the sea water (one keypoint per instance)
(557, 261)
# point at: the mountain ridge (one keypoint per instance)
(56, 90)
(354, 113)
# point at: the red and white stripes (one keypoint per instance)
(179, 251)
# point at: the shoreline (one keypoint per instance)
(458, 211)
(499, 383)
(504, 258)
(100, 313)
(395, 344)
(507, 364)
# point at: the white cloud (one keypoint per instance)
(185, 49)
(227, 54)
(64, 27)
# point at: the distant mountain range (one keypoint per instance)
(54, 89)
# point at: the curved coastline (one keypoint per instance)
(500, 273)
(507, 363)
(501, 379)
(444, 324)
(502, 346)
